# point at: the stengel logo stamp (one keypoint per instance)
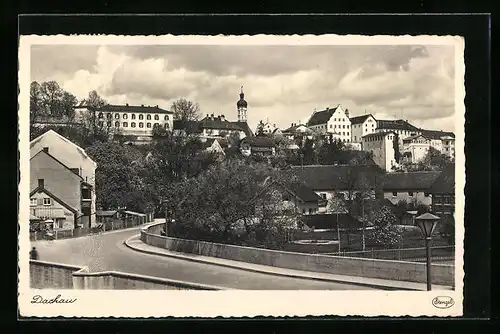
(443, 302)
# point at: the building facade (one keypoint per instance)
(332, 121)
(416, 147)
(400, 127)
(382, 147)
(412, 187)
(362, 126)
(58, 193)
(75, 159)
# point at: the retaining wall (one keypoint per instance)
(48, 275)
(374, 268)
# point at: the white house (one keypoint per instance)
(416, 147)
(298, 130)
(74, 158)
(381, 145)
(442, 141)
(361, 126)
(332, 121)
(212, 145)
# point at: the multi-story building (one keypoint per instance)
(402, 128)
(258, 145)
(383, 149)
(443, 196)
(130, 120)
(333, 122)
(219, 127)
(415, 148)
(62, 188)
(361, 126)
(442, 141)
(298, 130)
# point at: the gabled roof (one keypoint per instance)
(54, 197)
(42, 152)
(434, 134)
(360, 119)
(218, 123)
(409, 180)
(340, 177)
(414, 137)
(133, 109)
(321, 117)
(303, 192)
(398, 124)
(445, 183)
(52, 132)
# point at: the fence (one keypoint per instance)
(439, 253)
(130, 219)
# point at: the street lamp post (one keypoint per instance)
(427, 223)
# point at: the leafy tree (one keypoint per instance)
(400, 210)
(120, 177)
(185, 110)
(95, 101)
(231, 202)
(48, 99)
(36, 105)
(384, 232)
(260, 128)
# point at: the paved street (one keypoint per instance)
(107, 252)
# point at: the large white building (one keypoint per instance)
(381, 145)
(361, 126)
(332, 121)
(402, 128)
(129, 120)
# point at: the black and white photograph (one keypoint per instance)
(298, 169)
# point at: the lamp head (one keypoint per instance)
(427, 223)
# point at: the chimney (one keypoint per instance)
(142, 105)
(222, 118)
(327, 108)
(126, 104)
(46, 149)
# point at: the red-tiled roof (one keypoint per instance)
(321, 117)
(409, 181)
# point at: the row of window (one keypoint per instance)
(334, 126)
(46, 201)
(132, 124)
(410, 193)
(141, 116)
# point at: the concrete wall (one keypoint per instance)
(374, 268)
(48, 275)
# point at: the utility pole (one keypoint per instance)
(363, 227)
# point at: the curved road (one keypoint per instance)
(107, 252)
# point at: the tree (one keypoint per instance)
(384, 232)
(395, 145)
(185, 110)
(49, 99)
(95, 101)
(231, 202)
(400, 210)
(338, 206)
(36, 106)
(260, 128)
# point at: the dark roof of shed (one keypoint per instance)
(303, 192)
(409, 180)
(321, 117)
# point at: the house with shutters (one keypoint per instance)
(332, 122)
(62, 172)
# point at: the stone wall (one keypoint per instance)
(48, 275)
(373, 268)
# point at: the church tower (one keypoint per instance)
(242, 107)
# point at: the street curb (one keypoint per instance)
(187, 258)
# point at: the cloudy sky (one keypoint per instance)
(283, 84)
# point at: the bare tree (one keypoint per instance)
(185, 110)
